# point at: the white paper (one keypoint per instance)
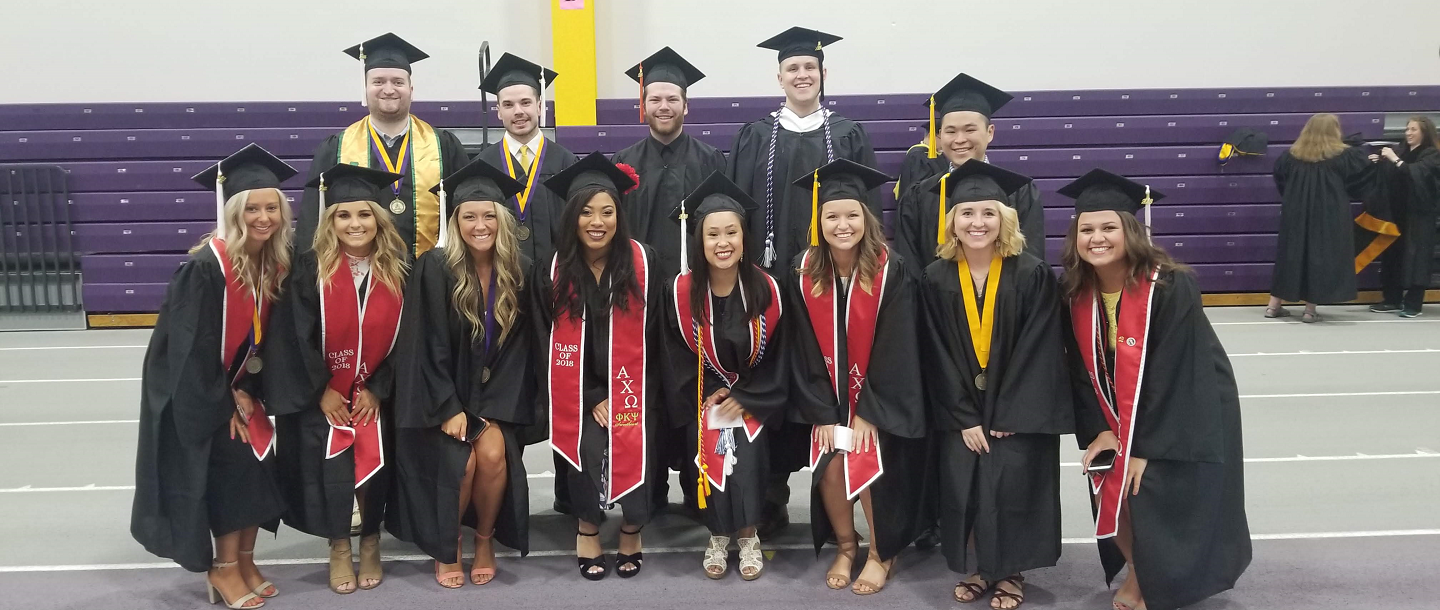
(714, 421)
(844, 438)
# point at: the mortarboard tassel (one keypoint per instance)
(320, 214)
(642, 93)
(930, 140)
(364, 82)
(444, 216)
(1146, 204)
(542, 101)
(684, 250)
(940, 231)
(815, 211)
(220, 199)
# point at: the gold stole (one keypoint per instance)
(426, 168)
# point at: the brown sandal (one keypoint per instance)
(370, 569)
(1000, 595)
(976, 590)
(874, 588)
(843, 577)
(342, 572)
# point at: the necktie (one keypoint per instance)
(525, 157)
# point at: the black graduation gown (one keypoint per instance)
(1414, 190)
(1314, 255)
(543, 207)
(667, 175)
(796, 154)
(918, 166)
(1191, 538)
(892, 400)
(919, 219)
(438, 374)
(761, 390)
(578, 492)
(319, 492)
(191, 479)
(452, 157)
(1010, 497)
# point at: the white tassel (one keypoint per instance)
(220, 200)
(769, 258)
(321, 214)
(1148, 231)
(440, 237)
(364, 82)
(684, 239)
(542, 99)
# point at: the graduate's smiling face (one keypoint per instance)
(1100, 238)
(388, 92)
(354, 224)
(842, 222)
(724, 239)
(963, 135)
(597, 222)
(977, 224)
(478, 223)
(519, 109)
(262, 216)
(800, 77)
(1413, 135)
(665, 108)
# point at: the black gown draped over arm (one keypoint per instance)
(439, 374)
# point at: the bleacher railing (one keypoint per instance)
(39, 269)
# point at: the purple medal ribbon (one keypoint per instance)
(490, 313)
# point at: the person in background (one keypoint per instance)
(393, 140)
(1146, 367)
(1412, 178)
(1315, 259)
(200, 468)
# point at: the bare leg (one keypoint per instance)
(229, 580)
(457, 581)
(1129, 593)
(873, 576)
(486, 492)
(246, 554)
(841, 513)
(587, 544)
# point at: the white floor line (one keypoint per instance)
(102, 380)
(93, 422)
(1330, 321)
(1340, 353)
(1339, 394)
(1419, 454)
(60, 347)
(659, 550)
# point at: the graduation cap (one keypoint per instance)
(1243, 142)
(963, 93)
(974, 181)
(664, 66)
(593, 170)
(477, 181)
(1100, 190)
(385, 51)
(514, 70)
(249, 168)
(344, 183)
(717, 193)
(836, 180)
(798, 41)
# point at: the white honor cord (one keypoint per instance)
(440, 237)
(684, 251)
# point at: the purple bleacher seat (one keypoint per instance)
(147, 206)
(123, 298)
(1200, 248)
(139, 237)
(140, 144)
(126, 176)
(130, 268)
(171, 115)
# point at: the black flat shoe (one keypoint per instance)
(589, 563)
(1384, 308)
(635, 560)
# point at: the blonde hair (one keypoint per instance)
(1319, 140)
(389, 263)
(275, 254)
(508, 281)
(820, 265)
(1011, 241)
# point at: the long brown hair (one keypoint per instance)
(1319, 140)
(274, 255)
(1428, 134)
(1143, 257)
(820, 266)
(389, 260)
(508, 276)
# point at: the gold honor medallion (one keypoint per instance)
(980, 381)
(485, 375)
(254, 365)
(523, 232)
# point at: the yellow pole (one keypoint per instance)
(572, 35)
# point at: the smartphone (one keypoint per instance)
(477, 425)
(1104, 461)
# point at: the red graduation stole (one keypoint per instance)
(356, 337)
(762, 329)
(1131, 336)
(862, 310)
(243, 313)
(626, 432)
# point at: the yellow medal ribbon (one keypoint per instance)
(981, 326)
(390, 166)
(529, 173)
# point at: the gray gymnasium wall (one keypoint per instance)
(189, 50)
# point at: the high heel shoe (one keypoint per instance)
(441, 577)
(842, 579)
(370, 569)
(477, 572)
(590, 563)
(751, 557)
(636, 559)
(215, 595)
(342, 571)
(261, 588)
